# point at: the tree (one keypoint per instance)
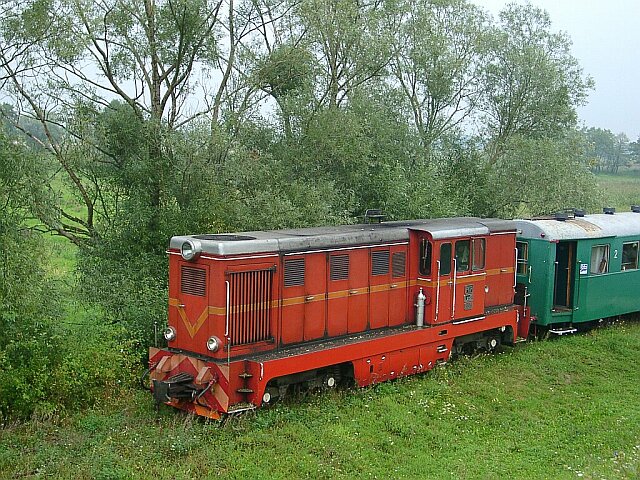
(537, 176)
(438, 57)
(607, 151)
(30, 346)
(285, 74)
(64, 59)
(533, 83)
(350, 41)
(634, 151)
(64, 62)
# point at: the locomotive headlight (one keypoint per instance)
(213, 344)
(191, 249)
(169, 334)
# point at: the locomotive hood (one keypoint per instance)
(304, 239)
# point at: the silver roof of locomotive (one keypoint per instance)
(301, 239)
(623, 224)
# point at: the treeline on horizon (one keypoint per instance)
(127, 122)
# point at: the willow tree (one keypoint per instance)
(533, 82)
(438, 60)
(171, 63)
(350, 42)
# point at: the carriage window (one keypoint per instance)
(462, 255)
(600, 259)
(478, 254)
(523, 257)
(445, 259)
(630, 256)
(425, 257)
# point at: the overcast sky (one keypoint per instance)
(606, 41)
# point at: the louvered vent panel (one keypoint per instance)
(380, 262)
(250, 306)
(398, 264)
(193, 281)
(339, 267)
(294, 272)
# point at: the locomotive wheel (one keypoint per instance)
(493, 343)
(270, 395)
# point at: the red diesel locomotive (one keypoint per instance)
(254, 314)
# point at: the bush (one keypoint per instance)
(46, 364)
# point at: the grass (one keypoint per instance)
(568, 408)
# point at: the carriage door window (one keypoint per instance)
(463, 248)
(425, 257)
(600, 259)
(445, 259)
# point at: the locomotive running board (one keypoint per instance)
(565, 331)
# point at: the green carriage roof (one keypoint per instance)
(626, 224)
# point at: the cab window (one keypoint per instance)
(463, 248)
(425, 257)
(445, 259)
(478, 254)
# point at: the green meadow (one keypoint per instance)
(567, 408)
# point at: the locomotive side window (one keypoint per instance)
(294, 272)
(463, 248)
(600, 259)
(478, 254)
(425, 257)
(445, 259)
(523, 257)
(630, 256)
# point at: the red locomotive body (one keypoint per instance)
(252, 314)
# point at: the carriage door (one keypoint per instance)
(398, 289)
(564, 276)
(444, 283)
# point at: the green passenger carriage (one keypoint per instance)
(573, 270)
